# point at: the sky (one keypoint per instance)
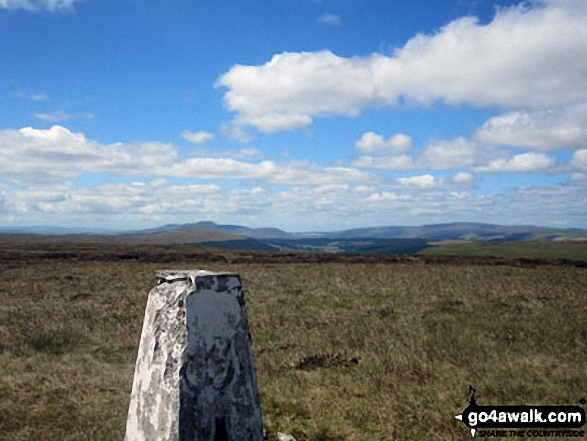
(304, 115)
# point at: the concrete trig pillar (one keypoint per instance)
(195, 374)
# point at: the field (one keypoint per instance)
(530, 250)
(346, 347)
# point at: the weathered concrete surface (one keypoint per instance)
(195, 375)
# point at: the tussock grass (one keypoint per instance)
(571, 250)
(60, 341)
(343, 351)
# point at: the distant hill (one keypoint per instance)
(458, 231)
(174, 237)
(182, 235)
(238, 230)
(56, 231)
(378, 240)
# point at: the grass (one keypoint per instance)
(515, 250)
(58, 342)
(343, 351)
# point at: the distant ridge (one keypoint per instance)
(379, 240)
(181, 235)
(238, 230)
(38, 229)
(471, 231)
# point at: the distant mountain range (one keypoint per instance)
(381, 240)
(54, 230)
(468, 231)
(459, 231)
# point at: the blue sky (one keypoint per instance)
(299, 114)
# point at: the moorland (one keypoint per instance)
(347, 346)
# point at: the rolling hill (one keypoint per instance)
(458, 231)
(378, 240)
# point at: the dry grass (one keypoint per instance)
(571, 250)
(343, 351)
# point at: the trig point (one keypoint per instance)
(195, 374)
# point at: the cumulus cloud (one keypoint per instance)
(455, 153)
(137, 199)
(247, 153)
(34, 5)
(579, 178)
(539, 130)
(560, 206)
(32, 155)
(235, 131)
(371, 142)
(399, 162)
(529, 56)
(387, 196)
(45, 164)
(423, 181)
(525, 162)
(463, 178)
(579, 159)
(197, 137)
(308, 174)
(464, 152)
(149, 202)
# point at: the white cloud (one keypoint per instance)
(463, 178)
(579, 178)
(364, 189)
(462, 152)
(330, 19)
(57, 116)
(579, 159)
(31, 155)
(235, 131)
(292, 88)
(525, 162)
(220, 168)
(371, 142)
(472, 153)
(247, 153)
(35, 5)
(459, 195)
(529, 56)
(539, 130)
(399, 162)
(29, 96)
(455, 153)
(387, 196)
(560, 206)
(45, 163)
(422, 182)
(308, 174)
(334, 206)
(197, 137)
(137, 198)
(61, 116)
